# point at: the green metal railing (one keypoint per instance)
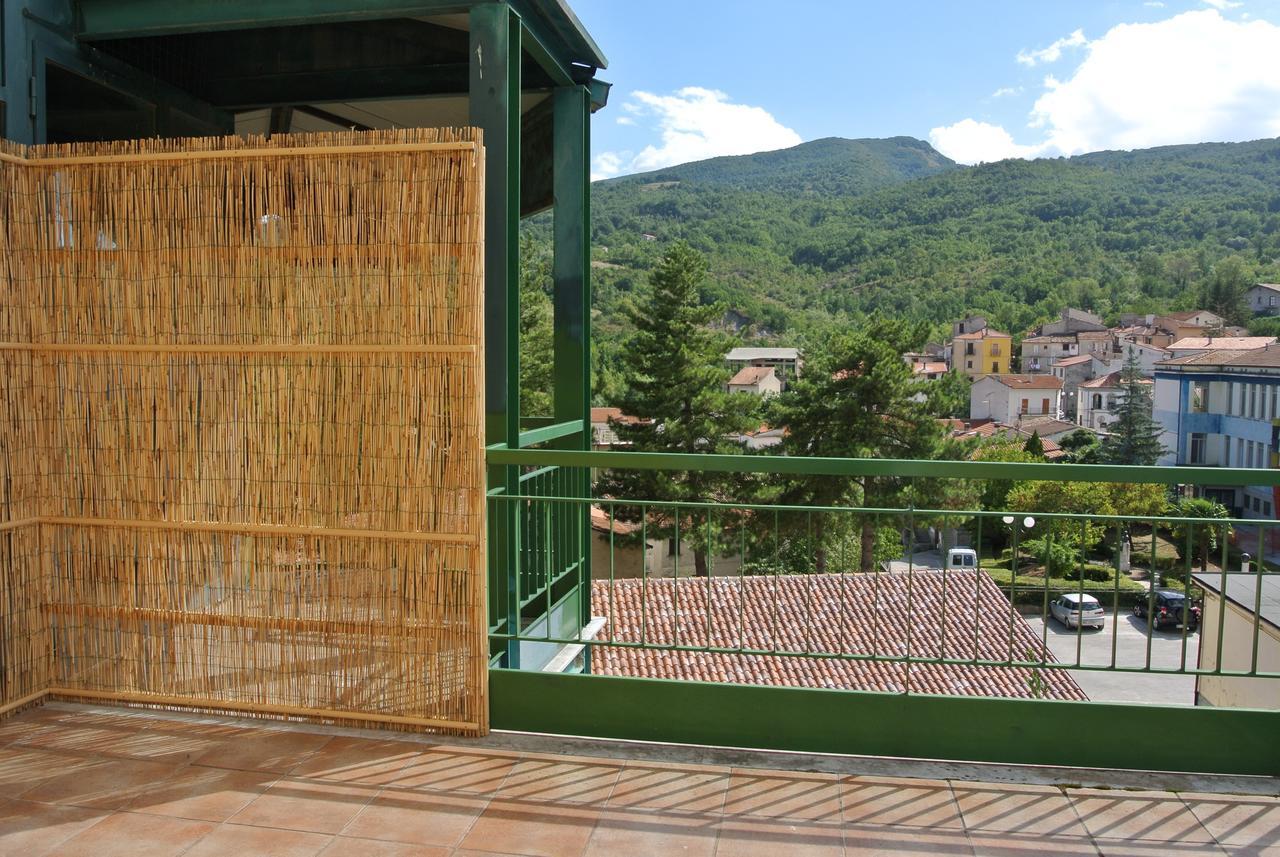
(767, 548)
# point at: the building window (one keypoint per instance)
(1197, 448)
(1097, 401)
(1249, 455)
(995, 349)
(968, 349)
(1239, 452)
(1025, 406)
(1271, 301)
(995, 368)
(1266, 508)
(968, 364)
(1253, 401)
(1226, 452)
(1275, 402)
(1199, 397)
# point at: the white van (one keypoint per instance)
(958, 558)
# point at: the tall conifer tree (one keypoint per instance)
(677, 379)
(1135, 435)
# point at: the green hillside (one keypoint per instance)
(799, 242)
(831, 166)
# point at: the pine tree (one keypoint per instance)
(857, 400)
(1034, 445)
(676, 387)
(1135, 435)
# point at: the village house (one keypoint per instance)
(786, 362)
(1040, 353)
(986, 352)
(603, 433)
(1264, 299)
(1097, 398)
(758, 380)
(1010, 399)
(1072, 321)
(1049, 431)
(969, 324)
(1072, 372)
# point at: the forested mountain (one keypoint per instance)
(831, 166)
(819, 236)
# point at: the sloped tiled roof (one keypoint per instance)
(1028, 382)
(1222, 343)
(1075, 361)
(930, 368)
(960, 616)
(1268, 357)
(750, 375)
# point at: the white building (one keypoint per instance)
(1097, 398)
(786, 362)
(758, 380)
(1009, 399)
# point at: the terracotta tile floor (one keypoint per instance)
(75, 780)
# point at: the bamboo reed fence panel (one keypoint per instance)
(244, 405)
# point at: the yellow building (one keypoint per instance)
(983, 352)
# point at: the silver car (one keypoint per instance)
(1078, 610)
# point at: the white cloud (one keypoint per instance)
(606, 165)
(1191, 78)
(1223, 5)
(1154, 4)
(970, 142)
(695, 123)
(1053, 53)
(626, 120)
(1007, 90)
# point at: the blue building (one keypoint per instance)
(1222, 409)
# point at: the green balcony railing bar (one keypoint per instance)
(766, 560)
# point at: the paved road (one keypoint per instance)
(1130, 639)
(923, 561)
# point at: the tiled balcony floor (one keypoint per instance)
(83, 781)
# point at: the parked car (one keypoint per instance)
(1076, 610)
(961, 558)
(1168, 606)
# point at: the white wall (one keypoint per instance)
(1237, 654)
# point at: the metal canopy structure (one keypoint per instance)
(522, 71)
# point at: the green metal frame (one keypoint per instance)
(818, 466)
(1012, 731)
(1023, 731)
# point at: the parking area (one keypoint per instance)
(1127, 636)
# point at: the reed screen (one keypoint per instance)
(243, 430)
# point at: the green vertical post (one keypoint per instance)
(571, 297)
(18, 121)
(494, 56)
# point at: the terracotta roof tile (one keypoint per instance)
(985, 333)
(749, 375)
(959, 614)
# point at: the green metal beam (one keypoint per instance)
(1011, 731)
(121, 19)
(495, 109)
(816, 466)
(555, 431)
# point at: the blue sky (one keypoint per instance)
(981, 80)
